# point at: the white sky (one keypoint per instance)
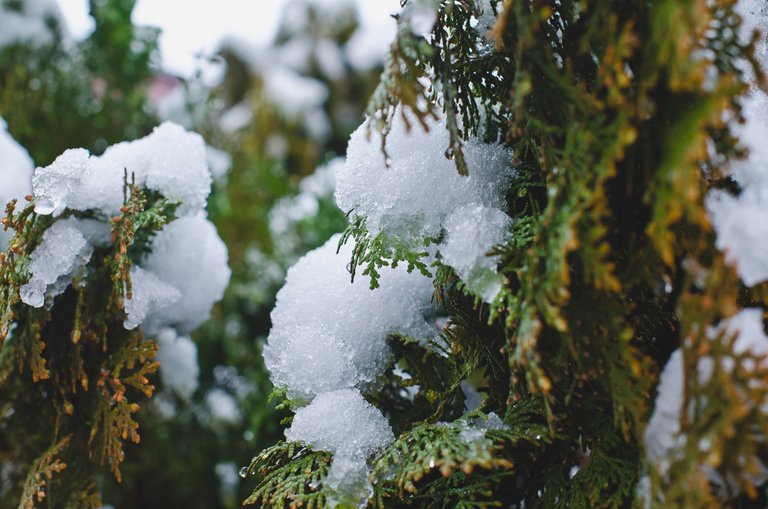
(193, 27)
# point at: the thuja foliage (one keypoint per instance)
(71, 375)
(615, 111)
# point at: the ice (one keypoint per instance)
(62, 251)
(662, 437)
(188, 255)
(471, 233)
(343, 423)
(33, 23)
(328, 333)
(54, 184)
(15, 177)
(179, 370)
(148, 293)
(170, 160)
(474, 429)
(411, 199)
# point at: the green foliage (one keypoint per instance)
(610, 265)
(377, 251)
(70, 374)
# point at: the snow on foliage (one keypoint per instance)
(31, 22)
(328, 333)
(185, 272)
(662, 437)
(171, 161)
(15, 175)
(413, 197)
(343, 423)
(188, 255)
(741, 222)
(410, 198)
(471, 231)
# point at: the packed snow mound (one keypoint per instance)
(470, 233)
(188, 255)
(343, 423)
(33, 23)
(171, 161)
(179, 370)
(328, 333)
(15, 176)
(410, 198)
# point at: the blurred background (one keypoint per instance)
(275, 88)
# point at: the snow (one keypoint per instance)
(741, 222)
(32, 24)
(343, 423)
(411, 199)
(177, 282)
(170, 160)
(219, 162)
(662, 437)
(328, 333)
(471, 232)
(474, 429)
(63, 250)
(421, 16)
(148, 293)
(222, 406)
(179, 370)
(15, 177)
(189, 256)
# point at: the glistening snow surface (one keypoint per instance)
(15, 176)
(328, 333)
(343, 423)
(63, 250)
(410, 199)
(170, 160)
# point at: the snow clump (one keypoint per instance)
(741, 222)
(339, 338)
(30, 22)
(15, 176)
(662, 437)
(343, 423)
(413, 197)
(65, 248)
(179, 370)
(171, 161)
(189, 255)
(174, 285)
(470, 233)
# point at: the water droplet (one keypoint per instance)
(388, 162)
(243, 472)
(449, 153)
(44, 206)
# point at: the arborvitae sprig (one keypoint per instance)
(70, 374)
